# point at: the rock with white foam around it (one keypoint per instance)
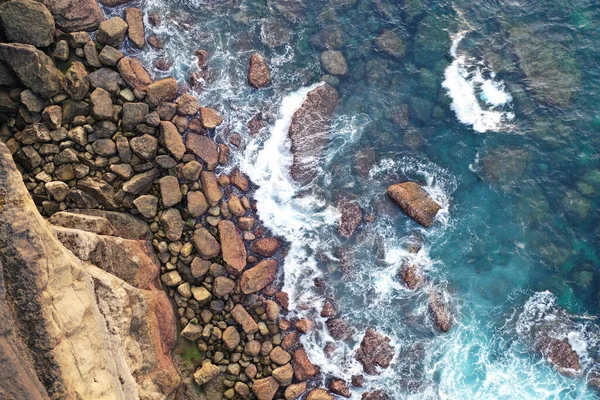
(415, 202)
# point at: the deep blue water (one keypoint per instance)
(520, 179)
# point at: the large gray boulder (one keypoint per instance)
(34, 68)
(27, 21)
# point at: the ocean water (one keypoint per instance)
(493, 106)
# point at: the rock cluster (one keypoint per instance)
(115, 159)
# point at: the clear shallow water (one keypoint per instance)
(502, 128)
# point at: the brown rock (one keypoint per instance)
(290, 341)
(375, 351)
(210, 118)
(170, 193)
(234, 251)
(280, 356)
(222, 286)
(350, 219)
(206, 373)
(112, 32)
(201, 294)
(256, 278)
(439, 311)
(339, 387)
(211, 188)
(205, 243)
(204, 147)
(358, 380)
(199, 267)
(172, 140)
(252, 348)
(376, 395)
(78, 83)
(162, 91)
(196, 204)
(309, 131)
(272, 310)
(239, 180)
(265, 389)
(258, 72)
(415, 202)
(135, 19)
(295, 391)
(231, 337)
(561, 354)
(283, 299)
(304, 325)
(235, 206)
(328, 310)
(284, 374)
(187, 104)
(319, 394)
(245, 320)
(303, 368)
(412, 275)
(265, 247)
(134, 74)
(76, 15)
(172, 224)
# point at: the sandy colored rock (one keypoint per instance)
(242, 317)
(265, 389)
(234, 250)
(319, 394)
(295, 391)
(171, 279)
(141, 183)
(211, 188)
(192, 331)
(205, 243)
(258, 71)
(415, 202)
(231, 337)
(280, 356)
(147, 205)
(199, 267)
(205, 148)
(304, 325)
(265, 247)
(196, 204)
(239, 180)
(134, 74)
(112, 32)
(206, 373)
(201, 294)
(339, 387)
(304, 370)
(170, 193)
(272, 310)
(172, 224)
(222, 286)
(135, 21)
(162, 91)
(187, 104)
(284, 374)
(210, 118)
(256, 278)
(88, 223)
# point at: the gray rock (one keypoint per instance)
(334, 62)
(141, 183)
(144, 146)
(133, 114)
(110, 56)
(101, 191)
(91, 54)
(172, 224)
(57, 189)
(76, 15)
(61, 50)
(104, 147)
(106, 79)
(147, 205)
(124, 150)
(32, 101)
(27, 21)
(78, 82)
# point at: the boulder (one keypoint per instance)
(279, 356)
(76, 15)
(134, 74)
(329, 310)
(88, 223)
(334, 62)
(162, 91)
(265, 389)
(110, 56)
(141, 183)
(206, 373)
(112, 32)
(147, 205)
(187, 104)
(145, 146)
(101, 191)
(28, 22)
(204, 147)
(440, 312)
(258, 71)
(309, 131)
(414, 201)
(211, 188)
(102, 106)
(210, 118)
(339, 387)
(265, 247)
(231, 338)
(239, 180)
(304, 370)
(319, 394)
(259, 276)
(245, 320)
(295, 391)
(284, 374)
(196, 204)
(205, 243)
(233, 248)
(172, 140)
(222, 286)
(107, 79)
(135, 21)
(350, 217)
(375, 351)
(412, 275)
(170, 193)
(172, 224)
(376, 395)
(34, 68)
(77, 81)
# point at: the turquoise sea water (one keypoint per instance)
(494, 106)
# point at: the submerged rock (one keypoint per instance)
(415, 202)
(390, 43)
(334, 62)
(309, 131)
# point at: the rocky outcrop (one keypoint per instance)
(309, 131)
(414, 201)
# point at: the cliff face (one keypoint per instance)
(71, 330)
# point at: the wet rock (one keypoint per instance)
(206, 373)
(319, 394)
(412, 275)
(309, 131)
(274, 33)
(258, 72)
(303, 369)
(339, 329)
(33, 68)
(390, 43)
(205, 243)
(505, 166)
(333, 62)
(339, 387)
(210, 118)
(112, 32)
(375, 351)
(414, 201)
(561, 354)
(135, 75)
(135, 21)
(256, 278)
(172, 224)
(330, 38)
(28, 22)
(204, 147)
(439, 311)
(376, 395)
(211, 188)
(170, 193)
(187, 104)
(265, 247)
(76, 15)
(239, 180)
(245, 320)
(234, 251)
(350, 218)
(141, 183)
(291, 10)
(295, 391)
(265, 389)
(329, 309)
(162, 91)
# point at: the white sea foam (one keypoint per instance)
(466, 83)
